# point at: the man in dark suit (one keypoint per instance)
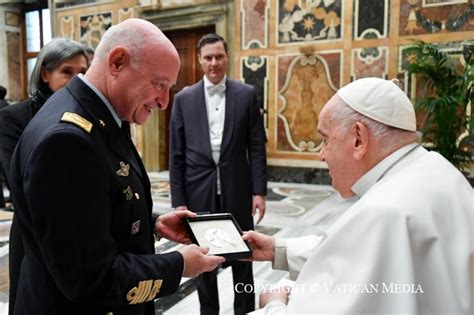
(3, 104)
(3, 93)
(218, 159)
(82, 195)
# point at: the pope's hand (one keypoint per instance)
(171, 226)
(280, 294)
(263, 246)
(196, 261)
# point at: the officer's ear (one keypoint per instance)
(118, 59)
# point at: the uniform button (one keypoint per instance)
(137, 196)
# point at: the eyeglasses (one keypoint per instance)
(160, 86)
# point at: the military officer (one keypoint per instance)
(82, 195)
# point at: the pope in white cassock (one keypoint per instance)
(406, 245)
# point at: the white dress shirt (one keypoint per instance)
(215, 106)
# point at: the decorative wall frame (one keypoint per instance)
(309, 21)
(369, 62)
(370, 19)
(92, 27)
(406, 57)
(14, 64)
(436, 3)
(418, 18)
(254, 71)
(12, 19)
(124, 14)
(304, 84)
(254, 23)
(67, 27)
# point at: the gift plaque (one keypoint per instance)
(221, 233)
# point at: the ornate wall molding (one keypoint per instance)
(309, 21)
(368, 22)
(254, 71)
(185, 17)
(125, 13)
(308, 85)
(67, 27)
(369, 62)
(254, 23)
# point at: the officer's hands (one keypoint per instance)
(258, 203)
(263, 246)
(171, 226)
(180, 208)
(196, 261)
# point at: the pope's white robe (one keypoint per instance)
(405, 247)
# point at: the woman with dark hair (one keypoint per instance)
(57, 63)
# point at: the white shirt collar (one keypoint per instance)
(207, 82)
(363, 184)
(103, 98)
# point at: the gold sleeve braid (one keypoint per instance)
(146, 291)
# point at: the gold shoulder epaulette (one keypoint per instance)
(77, 120)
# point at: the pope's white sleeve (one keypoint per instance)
(274, 307)
(292, 253)
(280, 262)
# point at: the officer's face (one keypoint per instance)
(213, 59)
(146, 86)
(61, 74)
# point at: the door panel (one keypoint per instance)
(190, 72)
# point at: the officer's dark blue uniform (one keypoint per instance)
(83, 202)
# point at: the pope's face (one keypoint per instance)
(213, 59)
(336, 151)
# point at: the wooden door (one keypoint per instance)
(190, 72)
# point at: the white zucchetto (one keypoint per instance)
(382, 100)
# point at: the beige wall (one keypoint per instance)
(300, 76)
(10, 50)
(303, 75)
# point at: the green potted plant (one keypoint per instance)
(448, 88)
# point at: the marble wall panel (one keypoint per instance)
(12, 19)
(67, 27)
(407, 57)
(435, 16)
(369, 62)
(410, 82)
(436, 3)
(92, 27)
(124, 14)
(14, 65)
(308, 83)
(254, 71)
(308, 21)
(254, 23)
(371, 19)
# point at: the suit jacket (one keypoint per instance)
(82, 199)
(242, 163)
(3, 104)
(13, 121)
